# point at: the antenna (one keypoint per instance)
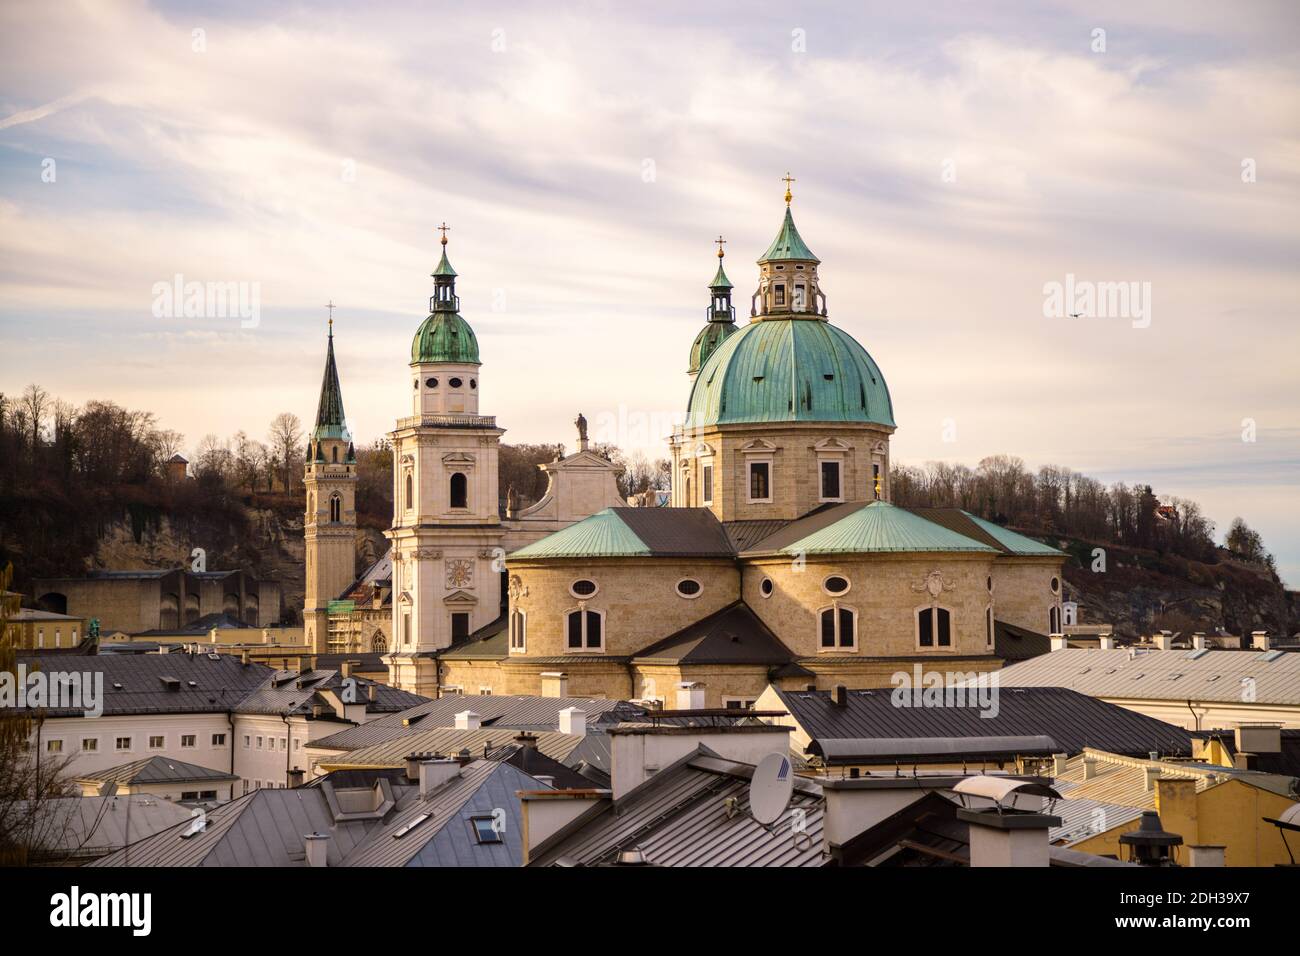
(770, 788)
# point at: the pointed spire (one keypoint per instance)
(444, 280)
(788, 244)
(720, 280)
(330, 422)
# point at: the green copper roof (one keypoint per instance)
(602, 535)
(711, 336)
(882, 527)
(720, 280)
(444, 266)
(445, 337)
(1013, 542)
(785, 370)
(330, 422)
(788, 244)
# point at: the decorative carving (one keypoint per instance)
(933, 584)
(460, 573)
(425, 553)
(517, 589)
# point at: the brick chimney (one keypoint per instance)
(316, 846)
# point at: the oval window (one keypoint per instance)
(582, 588)
(454, 383)
(416, 385)
(1056, 585)
(765, 588)
(689, 588)
(473, 383)
(431, 383)
(990, 584)
(835, 584)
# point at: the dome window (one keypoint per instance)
(989, 584)
(836, 584)
(1056, 585)
(454, 383)
(689, 588)
(583, 588)
(430, 383)
(416, 384)
(765, 588)
(473, 383)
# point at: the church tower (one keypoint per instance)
(447, 533)
(721, 318)
(330, 523)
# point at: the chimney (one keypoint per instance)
(1206, 854)
(243, 657)
(1259, 640)
(295, 778)
(372, 692)
(555, 684)
(434, 773)
(1058, 764)
(1089, 766)
(345, 669)
(316, 846)
(1058, 642)
(468, 720)
(690, 695)
(1008, 838)
(840, 696)
(526, 740)
(315, 711)
(573, 720)
(304, 665)
(1151, 845)
(1151, 775)
(1163, 640)
(1198, 641)
(1106, 642)
(412, 762)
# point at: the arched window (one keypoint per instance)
(378, 643)
(933, 627)
(988, 626)
(334, 454)
(838, 628)
(518, 631)
(585, 630)
(1054, 620)
(459, 491)
(336, 508)
(410, 491)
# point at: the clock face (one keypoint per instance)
(460, 573)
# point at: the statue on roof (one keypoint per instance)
(581, 422)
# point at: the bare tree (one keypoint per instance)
(286, 439)
(36, 401)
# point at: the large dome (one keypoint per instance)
(445, 337)
(789, 370)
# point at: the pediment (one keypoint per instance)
(460, 597)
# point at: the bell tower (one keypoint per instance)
(330, 522)
(446, 533)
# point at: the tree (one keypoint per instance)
(36, 401)
(1246, 542)
(286, 442)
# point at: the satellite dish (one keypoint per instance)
(770, 788)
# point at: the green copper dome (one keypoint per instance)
(788, 244)
(710, 337)
(789, 370)
(445, 337)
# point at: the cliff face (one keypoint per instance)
(1143, 591)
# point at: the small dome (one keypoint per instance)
(710, 337)
(445, 337)
(785, 370)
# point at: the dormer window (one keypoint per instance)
(778, 294)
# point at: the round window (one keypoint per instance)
(689, 588)
(765, 588)
(835, 584)
(1056, 585)
(583, 588)
(430, 383)
(454, 383)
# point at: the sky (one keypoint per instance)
(951, 161)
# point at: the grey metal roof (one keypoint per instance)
(678, 531)
(75, 828)
(1123, 673)
(157, 769)
(1072, 720)
(848, 750)
(494, 710)
(1013, 643)
(444, 740)
(133, 683)
(294, 692)
(679, 818)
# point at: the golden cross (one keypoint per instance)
(788, 179)
(720, 241)
(443, 229)
(330, 305)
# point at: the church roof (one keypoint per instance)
(636, 532)
(720, 280)
(788, 244)
(330, 422)
(445, 337)
(986, 532)
(711, 336)
(784, 370)
(877, 527)
(733, 635)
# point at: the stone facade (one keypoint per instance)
(1022, 588)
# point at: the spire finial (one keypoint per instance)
(330, 305)
(443, 229)
(721, 242)
(788, 179)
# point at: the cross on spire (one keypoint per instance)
(788, 179)
(721, 242)
(331, 306)
(443, 229)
